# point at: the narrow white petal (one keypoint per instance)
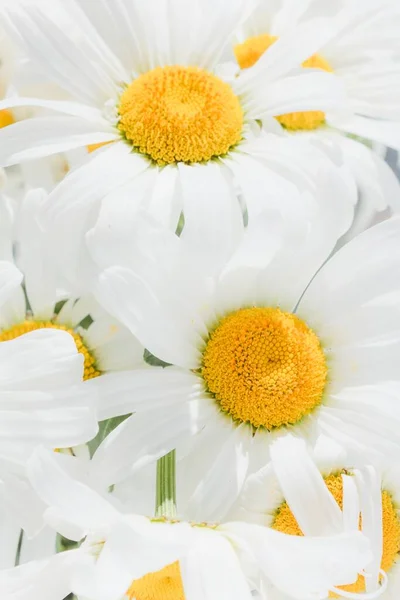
(10, 279)
(304, 489)
(75, 502)
(43, 136)
(384, 132)
(212, 570)
(213, 217)
(43, 359)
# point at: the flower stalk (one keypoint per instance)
(166, 486)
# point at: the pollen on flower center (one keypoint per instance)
(90, 369)
(265, 367)
(6, 118)
(248, 53)
(285, 522)
(180, 114)
(161, 585)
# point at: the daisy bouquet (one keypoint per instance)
(199, 299)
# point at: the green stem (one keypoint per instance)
(19, 548)
(166, 487)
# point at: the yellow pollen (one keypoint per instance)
(90, 369)
(162, 585)
(285, 522)
(6, 118)
(248, 53)
(265, 367)
(180, 114)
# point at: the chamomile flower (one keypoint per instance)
(263, 341)
(137, 557)
(40, 304)
(42, 401)
(364, 54)
(291, 495)
(149, 90)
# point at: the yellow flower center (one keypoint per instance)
(6, 118)
(285, 522)
(180, 114)
(162, 585)
(248, 53)
(90, 369)
(265, 367)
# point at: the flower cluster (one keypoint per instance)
(199, 299)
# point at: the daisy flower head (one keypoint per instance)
(136, 557)
(40, 302)
(42, 399)
(147, 87)
(363, 54)
(279, 496)
(260, 341)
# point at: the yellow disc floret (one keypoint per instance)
(90, 369)
(248, 53)
(180, 114)
(162, 585)
(286, 523)
(265, 367)
(6, 118)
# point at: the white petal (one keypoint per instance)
(48, 579)
(361, 272)
(7, 218)
(212, 571)
(213, 218)
(218, 488)
(142, 439)
(73, 109)
(10, 279)
(115, 348)
(75, 502)
(305, 90)
(171, 336)
(43, 359)
(305, 567)
(70, 210)
(369, 486)
(287, 53)
(143, 389)
(304, 489)
(132, 552)
(42, 136)
(80, 62)
(32, 257)
(384, 132)
(216, 30)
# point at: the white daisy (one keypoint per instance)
(140, 557)
(287, 495)
(220, 321)
(146, 77)
(42, 401)
(39, 304)
(364, 54)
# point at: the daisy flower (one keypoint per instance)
(42, 401)
(148, 87)
(139, 557)
(39, 303)
(266, 340)
(275, 497)
(364, 54)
